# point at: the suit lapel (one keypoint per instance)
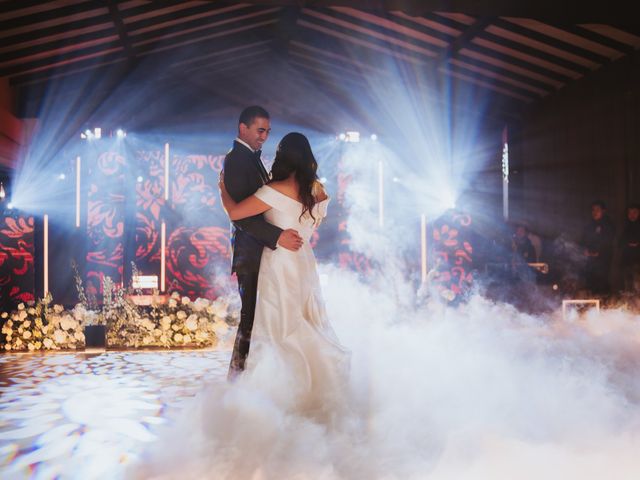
(262, 172)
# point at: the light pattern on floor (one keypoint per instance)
(86, 415)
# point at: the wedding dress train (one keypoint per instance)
(293, 388)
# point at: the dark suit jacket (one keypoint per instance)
(243, 175)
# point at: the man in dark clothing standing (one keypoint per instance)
(597, 240)
(630, 249)
(244, 173)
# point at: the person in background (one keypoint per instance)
(597, 241)
(522, 245)
(630, 250)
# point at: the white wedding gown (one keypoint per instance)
(291, 332)
(294, 386)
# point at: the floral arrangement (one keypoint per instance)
(35, 326)
(177, 322)
(168, 322)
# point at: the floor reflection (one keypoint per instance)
(86, 415)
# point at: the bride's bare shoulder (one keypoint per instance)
(279, 186)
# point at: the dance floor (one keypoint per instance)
(87, 415)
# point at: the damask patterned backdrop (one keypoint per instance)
(107, 177)
(453, 250)
(125, 203)
(16, 258)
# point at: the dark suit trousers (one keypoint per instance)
(248, 287)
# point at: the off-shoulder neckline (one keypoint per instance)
(293, 199)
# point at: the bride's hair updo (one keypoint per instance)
(294, 155)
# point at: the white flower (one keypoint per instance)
(201, 336)
(147, 324)
(177, 337)
(173, 303)
(7, 346)
(147, 340)
(18, 342)
(175, 295)
(78, 312)
(31, 311)
(48, 343)
(23, 314)
(26, 324)
(21, 306)
(31, 347)
(157, 332)
(181, 315)
(26, 335)
(54, 319)
(59, 337)
(4, 315)
(165, 323)
(220, 307)
(220, 328)
(192, 322)
(200, 304)
(175, 327)
(79, 336)
(186, 339)
(58, 308)
(68, 322)
(164, 339)
(186, 300)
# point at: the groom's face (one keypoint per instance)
(256, 133)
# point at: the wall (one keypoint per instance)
(581, 144)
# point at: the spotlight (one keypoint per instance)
(342, 137)
(140, 179)
(97, 132)
(83, 135)
(396, 180)
(120, 133)
(62, 176)
(374, 137)
(2, 192)
(88, 134)
(10, 205)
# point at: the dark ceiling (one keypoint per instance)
(515, 53)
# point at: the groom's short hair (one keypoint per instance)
(249, 114)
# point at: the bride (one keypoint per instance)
(291, 333)
(294, 386)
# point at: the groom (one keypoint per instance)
(244, 173)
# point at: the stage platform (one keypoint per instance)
(88, 414)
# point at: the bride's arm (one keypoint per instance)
(248, 207)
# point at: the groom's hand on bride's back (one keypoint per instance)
(290, 240)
